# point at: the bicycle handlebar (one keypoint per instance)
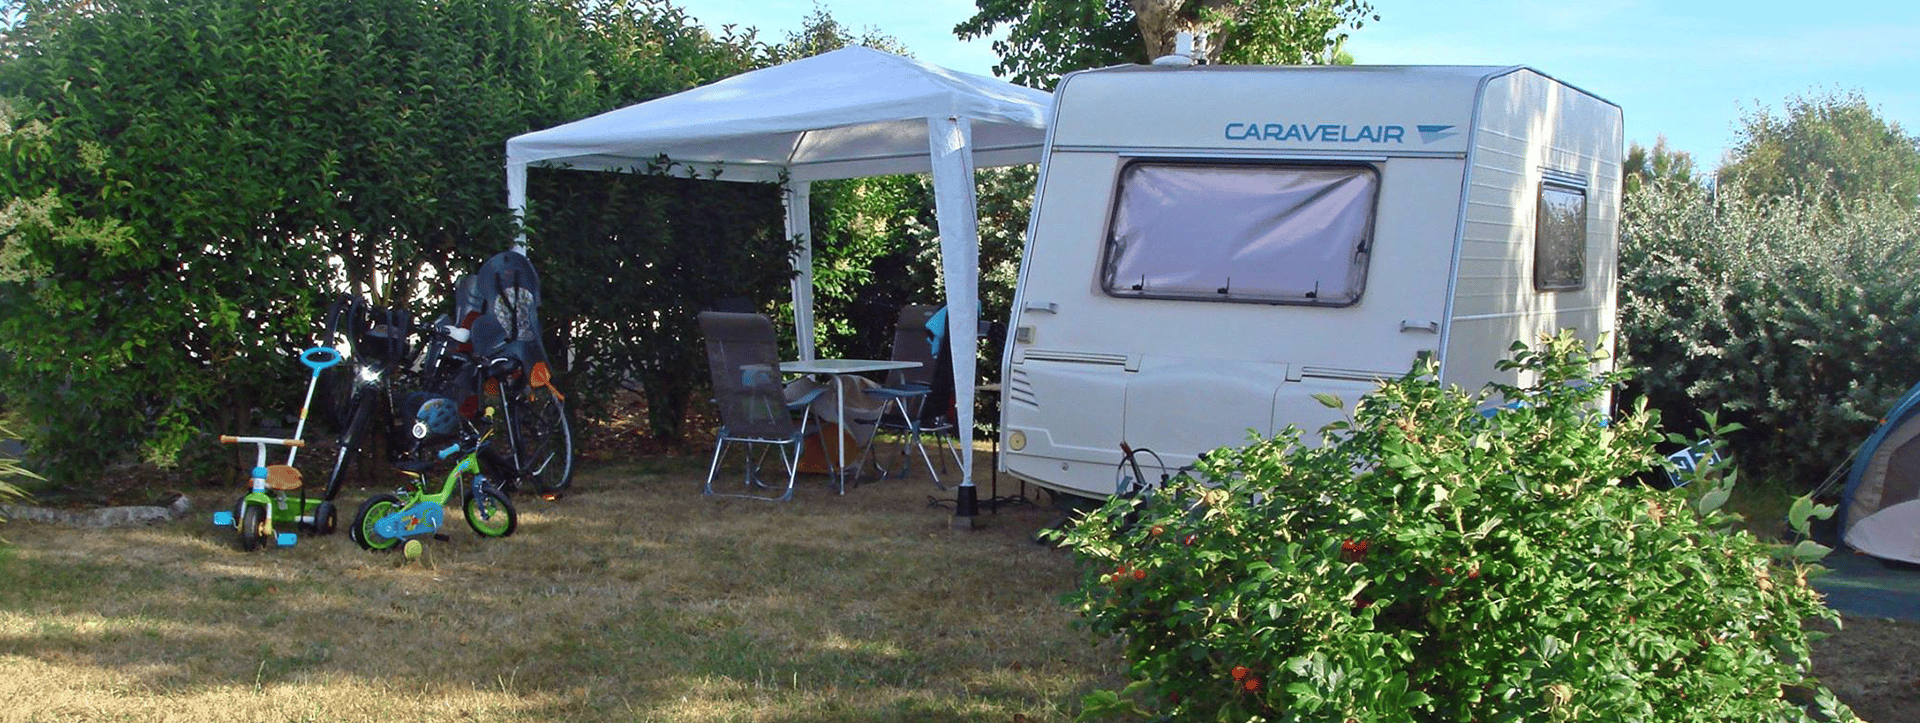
(230, 439)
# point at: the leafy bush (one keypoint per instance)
(1431, 561)
(1793, 315)
(10, 469)
(877, 247)
(184, 183)
(628, 261)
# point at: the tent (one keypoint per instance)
(1880, 506)
(849, 113)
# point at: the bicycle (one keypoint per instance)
(376, 342)
(529, 411)
(386, 521)
(490, 351)
(492, 356)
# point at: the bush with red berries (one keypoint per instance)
(1446, 556)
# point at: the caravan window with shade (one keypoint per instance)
(1560, 239)
(1258, 233)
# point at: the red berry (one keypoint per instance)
(1191, 538)
(1139, 574)
(1158, 530)
(1240, 672)
(1253, 684)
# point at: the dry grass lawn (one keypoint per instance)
(634, 599)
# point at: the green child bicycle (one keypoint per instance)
(388, 520)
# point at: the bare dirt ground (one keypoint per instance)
(1870, 664)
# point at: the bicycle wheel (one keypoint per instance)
(370, 512)
(334, 398)
(491, 514)
(545, 441)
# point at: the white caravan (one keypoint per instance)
(1212, 246)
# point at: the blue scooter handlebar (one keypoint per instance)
(320, 357)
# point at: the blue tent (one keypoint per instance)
(1880, 506)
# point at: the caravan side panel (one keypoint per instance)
(1532, 136)
(1142, 327)
(1088, 369)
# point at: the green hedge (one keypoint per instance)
(186, 181)
(1433, 561)
(1794, 320)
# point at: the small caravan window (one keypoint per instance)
(1560, 239)
(1260, 233)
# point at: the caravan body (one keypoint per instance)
(1211, 247)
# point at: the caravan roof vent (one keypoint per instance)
(1182, 52)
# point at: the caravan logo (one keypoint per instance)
(1334, 132)
(1322, 133)
(1429, 133)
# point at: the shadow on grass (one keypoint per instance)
(633, 598)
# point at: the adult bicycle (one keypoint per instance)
(486, 355)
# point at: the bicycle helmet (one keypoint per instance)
(434, 417)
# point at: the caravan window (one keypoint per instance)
(1560, 239)
(1261, 233)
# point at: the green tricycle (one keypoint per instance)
(386, 521)
(276, 500)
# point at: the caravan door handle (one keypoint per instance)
(1041, 306)
(1427, 325)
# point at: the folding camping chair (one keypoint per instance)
(744, 360)
(922, 397)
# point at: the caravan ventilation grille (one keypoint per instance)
(1076, 357)
(1350, 375)
(1020, 389)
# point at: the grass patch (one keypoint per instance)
(1762, 506)
(633, 599)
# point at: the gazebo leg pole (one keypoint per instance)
(966, 505)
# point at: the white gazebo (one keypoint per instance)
(849, 113)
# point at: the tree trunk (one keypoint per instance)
(1158, 24)
(1162, 20)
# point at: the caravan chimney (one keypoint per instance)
(1182, 52)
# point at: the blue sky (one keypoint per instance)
(1685, 70)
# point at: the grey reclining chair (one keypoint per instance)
(743, 356)
(922, 397)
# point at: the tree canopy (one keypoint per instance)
(1830, 143)
(1781, 296)
(1644, 165)
(1047, 40)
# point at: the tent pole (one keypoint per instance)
(800, 230)
(951, 141)
(517, 201)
